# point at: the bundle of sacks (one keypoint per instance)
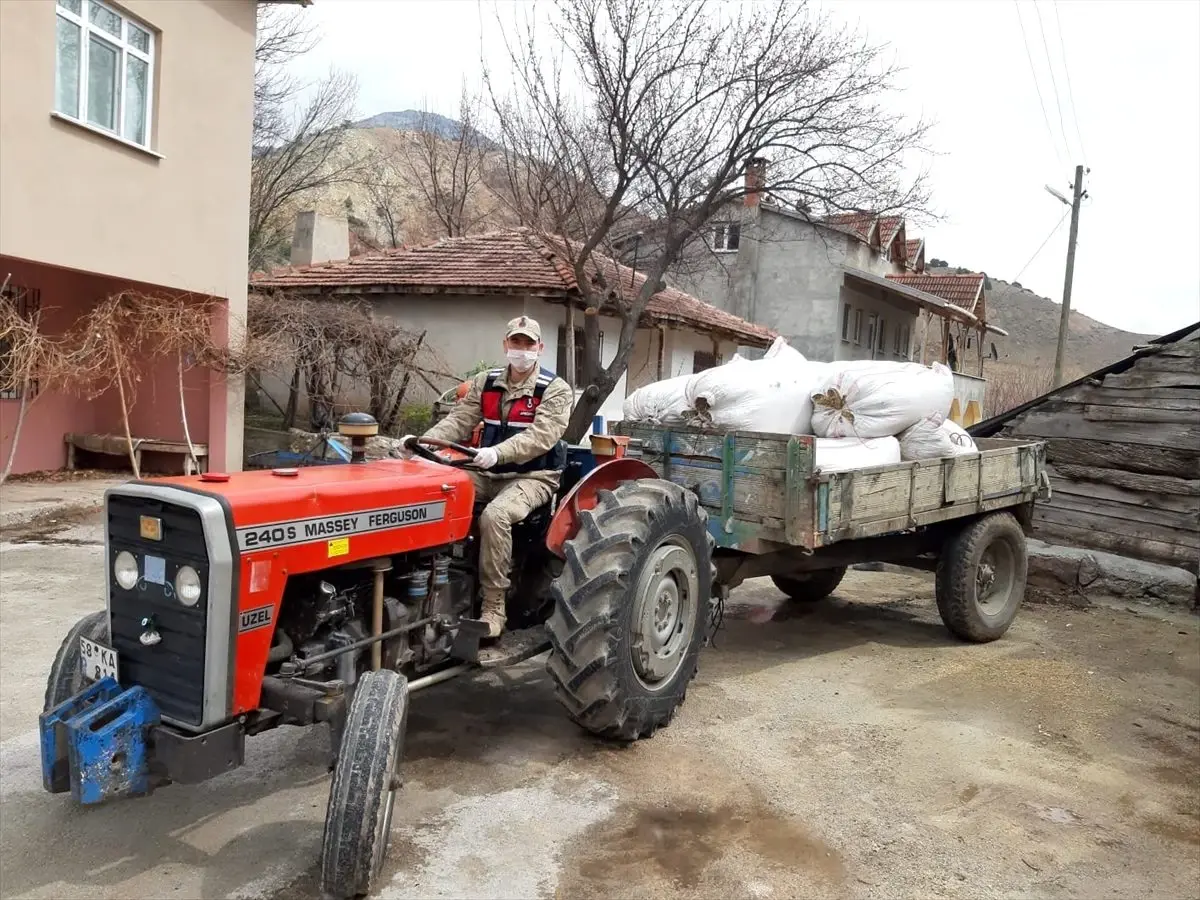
(863, 413)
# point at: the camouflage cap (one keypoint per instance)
(526, 326)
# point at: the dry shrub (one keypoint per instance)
(329, 347)
(1009, 386)
(109, 346)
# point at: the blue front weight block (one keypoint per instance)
(95, 743)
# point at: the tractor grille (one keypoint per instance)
(172, 671)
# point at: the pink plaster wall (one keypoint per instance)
(155, 412)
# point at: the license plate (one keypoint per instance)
(96, 660)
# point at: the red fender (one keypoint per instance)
(604, 477)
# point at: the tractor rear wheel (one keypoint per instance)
(358, 819)
(66, 673)
(809, 587)
(632, 608)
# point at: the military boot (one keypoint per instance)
(493, 613)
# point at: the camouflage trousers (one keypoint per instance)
(510, 501)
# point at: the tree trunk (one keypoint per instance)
(569, 375)
(289, 415)
(12, 450)
(187, 434)
(125, 421)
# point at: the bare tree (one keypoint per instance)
(385, 189)
(297, 144)
(447, 168)
(653, 111)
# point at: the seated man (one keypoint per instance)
(524, 410)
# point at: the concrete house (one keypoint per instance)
(461, 291)
(838, 288)
(125, 134)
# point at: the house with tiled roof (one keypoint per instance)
(461, 291)
(823, 282)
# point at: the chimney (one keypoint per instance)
(319, 239)
(756, 177)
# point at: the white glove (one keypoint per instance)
(486, 457)
(402, 451)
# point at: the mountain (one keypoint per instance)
(415, 120)
(1032, 325)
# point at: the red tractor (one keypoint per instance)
(239, 603)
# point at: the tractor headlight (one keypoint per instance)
(187, 586)
(125, 570)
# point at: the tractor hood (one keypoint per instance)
(385, 506)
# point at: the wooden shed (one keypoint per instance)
(1123, 454)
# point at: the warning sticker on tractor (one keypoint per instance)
(329, 529)
(339, 547)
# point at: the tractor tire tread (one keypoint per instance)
(373, 736)
(955, 578)
(601, 564)
(65, 678)
(811, 587)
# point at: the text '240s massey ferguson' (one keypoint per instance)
(327, 594)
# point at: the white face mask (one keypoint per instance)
(522, 360)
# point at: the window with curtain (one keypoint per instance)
(104, 64)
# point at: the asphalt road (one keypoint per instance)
(851, 749)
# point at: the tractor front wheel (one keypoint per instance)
(66, 673)
(358, 819)
(632, 607)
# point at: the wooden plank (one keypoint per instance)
(1142, 458)
(1133, 481)
(1168, 520)
(1117, 494)
(932, 517)
(1169, 363)
(1089, 538)
(1139, 378)
(1148, 398)
(755, 493)
(1053, 513)
(1050, 425)
(1142, 415)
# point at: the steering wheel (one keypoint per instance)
(415, 445)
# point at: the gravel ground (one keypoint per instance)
(847, 749)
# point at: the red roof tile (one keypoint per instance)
(963, 291)
(912, 250)
(856, 224)
(510, 261)
(889, 227)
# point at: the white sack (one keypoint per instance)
(840, 454)
(770, 395)
(663, 402)
(871, 398)
(935, 437)
(781, 349)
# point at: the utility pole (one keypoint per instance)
(1065, 321)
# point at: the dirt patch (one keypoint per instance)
(43, 527)
(678, 844)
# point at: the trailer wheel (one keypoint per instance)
(981, 577)
(808, 587)
(631, 609)
(358, 819)
(66, 676)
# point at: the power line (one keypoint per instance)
(1053, 81)
(1037, 86)
(1036, 252)
(1070, 91)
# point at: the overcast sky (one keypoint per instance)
(1131, 66)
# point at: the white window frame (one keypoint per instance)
(847, 322)
(724, 227)
(858, 327)
(125, 49)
